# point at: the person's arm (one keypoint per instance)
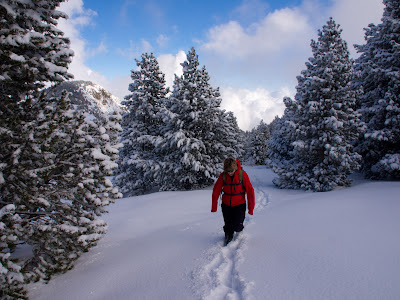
(250, 193)
(216, 192)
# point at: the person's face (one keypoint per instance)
(230, 173)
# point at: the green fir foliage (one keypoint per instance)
(54, 161)
(378, 69)
(198, 135)
(320, 124)
(140, 160)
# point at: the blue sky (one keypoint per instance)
(167, 26)
(252, 49)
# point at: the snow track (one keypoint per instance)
(219, 278)
(218, 273)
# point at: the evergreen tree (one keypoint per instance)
(233, 137)
(222, 137)
(258, 148)
(32, 51)
(75, 191)
(54, 164)
(377, 68)
(248, 155)
(142, 124)
(280, 148)
(321, 120)
(11, 279)
(59, 186)
(196, 137)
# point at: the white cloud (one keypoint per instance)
(250, 10)
(162, 40)
(119, 86)
(259, 57)
(74, 7)
(278, 29)
(252, 106)
(102, 48)
(268, 55)
(353, 16)
(262, 59)
(170, 65)
(136, 50)
(78, 18)
(249, 106)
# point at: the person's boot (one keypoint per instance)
(228, 238)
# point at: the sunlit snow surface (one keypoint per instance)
(342, 244)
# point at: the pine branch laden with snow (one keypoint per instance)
(76, 194)
(321, 123)
(198, 135)
(140, 161)
(280, 144)
(17, 159)
(59, 185)
(11, 279)
(32, 49)
(378, 70)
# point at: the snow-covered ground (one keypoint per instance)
(343, 244)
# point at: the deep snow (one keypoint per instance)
(342, 244)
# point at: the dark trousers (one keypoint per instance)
(233, 217)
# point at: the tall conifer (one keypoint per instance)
(258, 148)
(321, 121)
(54, 163)
(139, 162)
(32, 51)
(378, 70)
(197, 133)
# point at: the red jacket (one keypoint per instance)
(233, 191)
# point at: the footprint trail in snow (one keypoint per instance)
(217, 276)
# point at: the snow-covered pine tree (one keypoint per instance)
(113, 131)
(233, 138)
(139, 163)
(33, 51)
(207, 102)
(377, 71)
(54, 165)
(194, 137)
(222, 137)
(259, 138)
(280, 148)
(24, 185)
(247, 157)
(12, 280)
(72, 187)
(322, 120)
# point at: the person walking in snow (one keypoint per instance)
(234, 183)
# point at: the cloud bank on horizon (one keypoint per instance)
(254, 56)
